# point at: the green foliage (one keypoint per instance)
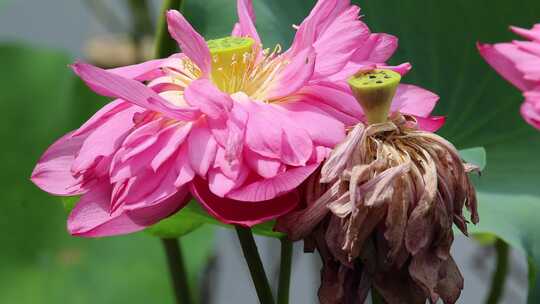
(41, 100)
(438, 38)
(193, 215)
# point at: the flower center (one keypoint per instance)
(239, 66)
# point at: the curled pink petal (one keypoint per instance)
(91, 216)
(270, 188)
(204, 95)
(530, 109)
(430, 124)
(296, 74)
(246, 21)
(191, 42)
(202, 149)
(241, 213)
(379, 47)
(411, 99)
(53, 170)
(112, 85)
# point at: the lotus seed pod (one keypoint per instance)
(230, 55)
(375, 90)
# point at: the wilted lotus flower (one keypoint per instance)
(519, 63)
(381, 209)
(237, 127)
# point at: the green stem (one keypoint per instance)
(499, 275)
(253, 260)
(376, 298)
(285, 271)
(177, 269)
(165, 45)
(141, 24)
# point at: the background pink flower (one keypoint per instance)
(240, 147)
(519, 63)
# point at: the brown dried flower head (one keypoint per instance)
(380, 212)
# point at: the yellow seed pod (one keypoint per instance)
(375, 90)
(230, 56)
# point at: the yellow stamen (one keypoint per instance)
(239, 66)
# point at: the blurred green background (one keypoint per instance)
(40, 100)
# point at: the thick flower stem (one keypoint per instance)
(499, 275)
(141, 24)
(165, 45)
(253, 260)
(177, 269)
(285, 271)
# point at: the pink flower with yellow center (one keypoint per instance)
(519, 63)
(234, 125)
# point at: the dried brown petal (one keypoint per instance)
(382, 217)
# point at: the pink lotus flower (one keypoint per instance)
(238, 131)
(519, 63)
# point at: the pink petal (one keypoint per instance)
(246, 214)
(378, 48)
(152, 188)
(339, 41)
(321, 16)
(103, 115)
(530, 109)
(171, 145)
(532, 34)
(142, 71)
(104, 140)
(183, 167)
(246, 21)
(414, 100)
(532, 47)
(263, 166)
(202, 149)
(220, 183)
(91, 217)
(296, 74)
(322, 128)
(430, 124)
(204, 95)
(503, 58)
(272, 134)
(112, 85)
(53, 170)
(267, 189)
(230, 167)
(191, 43)
(337, 99)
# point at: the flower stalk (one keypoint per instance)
(253, 260)
(501, 271)
(285, 271)
(177, 269)
(165, 45)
